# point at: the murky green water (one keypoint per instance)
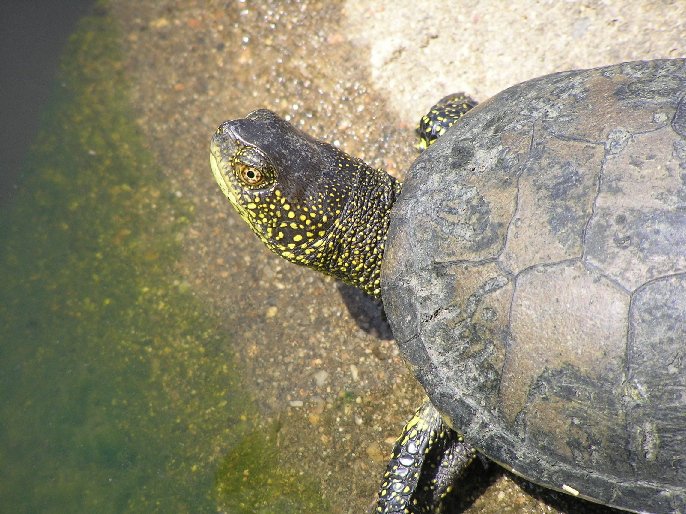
(118, 392)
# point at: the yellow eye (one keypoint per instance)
(252, 168)
(249, 175)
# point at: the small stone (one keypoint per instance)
(320, 377)
(375, 453)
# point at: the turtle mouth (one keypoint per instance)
(223, 147)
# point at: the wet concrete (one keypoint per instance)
(357, 75)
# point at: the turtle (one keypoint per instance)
(532, 266)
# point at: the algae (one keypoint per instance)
(251, 481)
(119, 391)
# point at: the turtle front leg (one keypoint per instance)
(427, 458)
(441, 117)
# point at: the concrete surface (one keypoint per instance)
(358, 74)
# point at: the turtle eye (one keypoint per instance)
(251, 177)
(253, 169)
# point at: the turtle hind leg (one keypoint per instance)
(427, 458)
(442, 116)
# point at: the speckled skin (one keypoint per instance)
(535, 278)
(309, 202)
(447, 111)
(426, 459)
(318, 207)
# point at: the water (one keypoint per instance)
(118, 390)
(32, 34)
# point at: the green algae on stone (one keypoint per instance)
(252, 480)
(119, 392)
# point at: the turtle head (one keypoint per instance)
(275, 176)
(306, 200)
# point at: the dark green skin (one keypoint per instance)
(275, 175)
(447, 111)
(534, 274)
(270, 170)
(307, 201)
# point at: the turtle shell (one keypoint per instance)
(535, 280)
